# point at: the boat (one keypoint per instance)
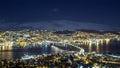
(27, 57)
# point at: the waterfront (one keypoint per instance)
(112, 48)
(64, 60)
(51, 48)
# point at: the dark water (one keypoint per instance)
(111, 48)
(34, 51)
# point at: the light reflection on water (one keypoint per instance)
(112, 48)
(18, 54)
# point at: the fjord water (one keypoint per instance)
(113, 47)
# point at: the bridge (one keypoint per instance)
(81, 52)
(47, 44)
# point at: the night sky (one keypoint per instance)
(53, 14)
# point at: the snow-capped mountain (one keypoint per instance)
(58, 25)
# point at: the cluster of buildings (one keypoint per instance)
(22, 38)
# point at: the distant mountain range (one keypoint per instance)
(58, 25)
(67, 32)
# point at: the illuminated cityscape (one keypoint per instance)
(59, 34)
(64, 44)
(30, 38)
